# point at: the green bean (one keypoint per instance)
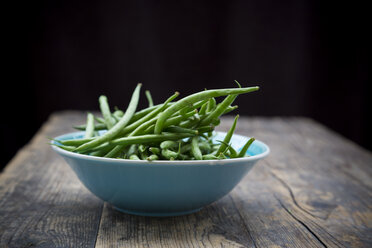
(205, 129)
(185, 148)
(149, 138)
(237, 83)
(192, 122)
(230, 109)
(138, 130)
(221, 156)
(155, 150)
(228, 136)
(233, 152)
(105, 110)
(194, 98)
(132, 150)
(90, 126)
(191, 107)
(138, 115)
(105, 146)
(143, 154)
(141, 113)
(152, 157)
(134, 157)
(177, 119)
(215, 147)
(111, 133)
(168, 154)
(113, 152)
(176, 129)
(99, 119)
(168, 144)
(146, 121)
(101, 151)
(203, 108)
(195, 150)
(204, 136)
(211, 104)
(209, 157)
(142, 148)
(216, 122)
(115, 119)
(244, 150)
(149, 98)
(118, 114)
(172, 121)
(220, 109)
(75, 142)
(140, 123)
(97, 127)
(67, 148)
(200, 103)
(203, 146)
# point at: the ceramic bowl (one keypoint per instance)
(162, 188)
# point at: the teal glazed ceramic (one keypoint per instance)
(162, 188)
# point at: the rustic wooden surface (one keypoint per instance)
(314, 190)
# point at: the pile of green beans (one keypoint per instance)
(173, 130)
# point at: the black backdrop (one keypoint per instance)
(309, 57)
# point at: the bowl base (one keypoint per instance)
(157, 214)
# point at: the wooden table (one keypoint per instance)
(314, 190)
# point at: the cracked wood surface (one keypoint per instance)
(313, 190)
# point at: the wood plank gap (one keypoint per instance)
(292, 195)
(242, 219)
(99, 225)
(299, 221)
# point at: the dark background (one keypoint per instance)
(309, 57)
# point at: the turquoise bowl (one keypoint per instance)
(162, 188)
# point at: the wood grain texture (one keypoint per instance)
(314, 190)
(42, 203)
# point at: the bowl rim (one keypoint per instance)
(160, 162)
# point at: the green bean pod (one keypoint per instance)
(211, 104)
(155, 150)
(244, 150)
(97, 127)
(220, 109)
(168, 144)
(195, 150)
(153, 157)
(150, 138)
(176, 129)
(194, 98)
(168, 154)
(90, 126)
(228, 136)
(105, 110)
(134, 157)
(115, 130)
(209, 157)
(149, 98)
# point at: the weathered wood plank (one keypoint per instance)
(314, 190)
(303, 182)
(42, 203)
(215, 226)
